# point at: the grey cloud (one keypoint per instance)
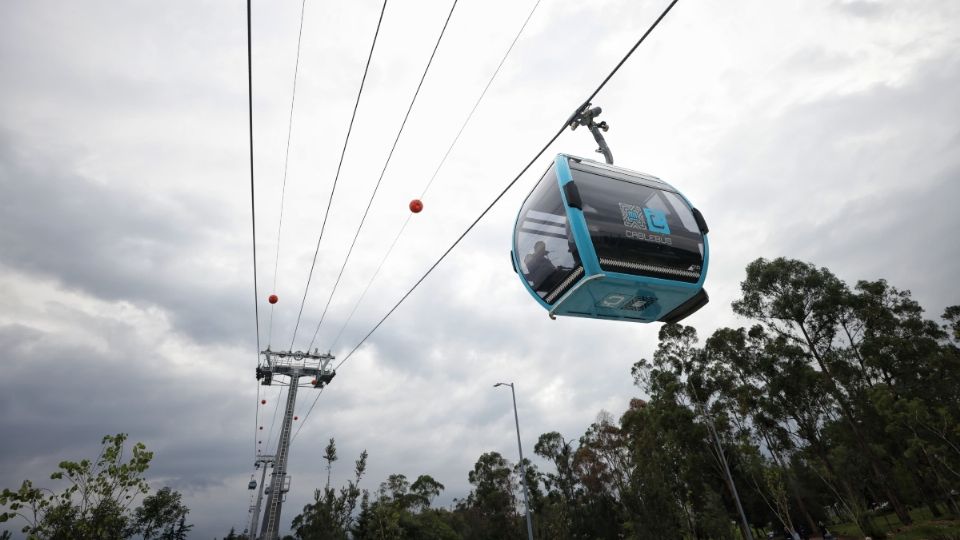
(59, 397)
(862, 8)
(116, 244)
(776, 178)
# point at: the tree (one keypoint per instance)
(423, 490)
(330, 516)
(952, 316)
(491, 507)
(96, 501)
(162, 516)
(402, 510)
(812, 308)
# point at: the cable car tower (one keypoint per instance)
(294, 365)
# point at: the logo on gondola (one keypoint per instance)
(613, 300)
(656, 220)
(640, 303)
(633, 216)
(649, 220)
(625, 301)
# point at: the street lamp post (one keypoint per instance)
(523, 469)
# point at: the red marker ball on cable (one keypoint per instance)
(273, 299)
(416, 206)
(263, 402)
(295, 417)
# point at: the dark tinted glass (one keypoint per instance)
(547, 253)
(639, 227)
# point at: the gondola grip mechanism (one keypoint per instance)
(586, 117)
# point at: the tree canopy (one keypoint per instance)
(834, 403)
(96, 497)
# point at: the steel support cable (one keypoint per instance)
(433, 177)
(554, 138)
(286, 162)
(310, 410)
(376, 187)
(253, 205)
(336, 177)
(515, 179)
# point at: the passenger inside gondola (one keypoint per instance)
(539, 267)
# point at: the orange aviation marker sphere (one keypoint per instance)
(295, 417)
(263, 402)
(416, 206)
(273, 299)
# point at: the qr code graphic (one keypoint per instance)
(633, 216)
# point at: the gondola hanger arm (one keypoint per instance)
(586, 116)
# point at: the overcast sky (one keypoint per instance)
(822, 130)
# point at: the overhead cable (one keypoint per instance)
(286, 162)
(343, 152)
(382, 172)
(253, 205)
(426, 188)
(552, 139)
(276, 409)
(310, 410)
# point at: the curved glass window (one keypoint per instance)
(638, 226)
(543, 243)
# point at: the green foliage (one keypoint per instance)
(330, 516)
(97, 498)
(402, 510)
(162, 516)
(836, 404)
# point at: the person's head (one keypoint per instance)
(540, 248)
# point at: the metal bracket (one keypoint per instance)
(586, 117)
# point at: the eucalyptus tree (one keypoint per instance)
(682, 402)
(811, 308)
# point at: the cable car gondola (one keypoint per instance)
(598, 241)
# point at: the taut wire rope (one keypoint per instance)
(382, 172)
(552, 139)
(343, 152)
(253, 204)
(426, 188)
(286, 162)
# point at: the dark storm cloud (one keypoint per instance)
(59, 396)
(116, 243)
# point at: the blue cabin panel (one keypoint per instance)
(598, 241)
